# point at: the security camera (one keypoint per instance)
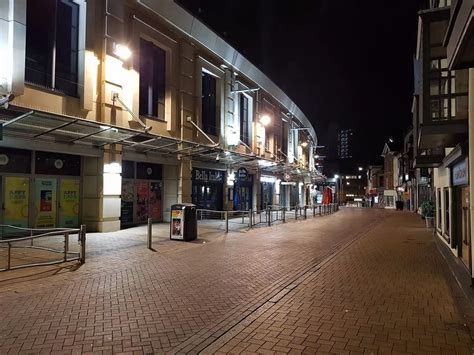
(4, 100)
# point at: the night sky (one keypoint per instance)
(346, 64)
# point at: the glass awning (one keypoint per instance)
(44, 126)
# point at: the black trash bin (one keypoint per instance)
(183, 224)
(399, 205)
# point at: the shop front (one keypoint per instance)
(461, 228)
(267, 187)
(243, 184)
(208, 188)
(39, 189)
(141, 193)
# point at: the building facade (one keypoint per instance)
(442, 110)
(123, 108)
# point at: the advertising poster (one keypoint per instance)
(16, 201)
(142, 201)
(69, 199)
(176, 224)
(154, 202)
(45, 203)
(126, 209)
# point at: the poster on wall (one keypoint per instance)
(154, 202)
(142, 201)
(16, 201)
(176, 224)
(126, 209)
(45, 203)
(69, 199)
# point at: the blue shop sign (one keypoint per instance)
(460, 173)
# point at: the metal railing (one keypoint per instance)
(7, 246)
(234, 219)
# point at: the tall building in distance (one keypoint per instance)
(345, 142)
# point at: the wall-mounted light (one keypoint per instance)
(361, 168)
(304, 144)
(122, 51)
(265, 120)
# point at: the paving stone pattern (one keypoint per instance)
(358, 280)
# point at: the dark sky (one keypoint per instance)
(346, 64)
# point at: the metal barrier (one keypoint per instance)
(238, 219)
(19, 243)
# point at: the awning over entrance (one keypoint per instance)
(47, 127)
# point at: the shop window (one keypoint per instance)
(57, 164)
(244, 119)
(446, 213)
(128, 169)
(152, 80)
(149, 171)
(15, 161)
(438, 210)
(209, 119)
(284, 137)
(52, 35)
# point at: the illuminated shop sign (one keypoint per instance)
(207, 175)
(460, 173)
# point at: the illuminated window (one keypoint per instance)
(52, 35)
(446, 212)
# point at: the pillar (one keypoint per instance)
(471, 161)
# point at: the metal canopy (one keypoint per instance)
(48, 127)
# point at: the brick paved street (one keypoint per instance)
(352, 282)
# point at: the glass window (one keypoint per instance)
(446, 212)
(128, 169)
(244, 119)
(15, 161)
(52, 44)
(152, 80)
(438, 205)
(209, 119)
(57, 164)
(149, 171)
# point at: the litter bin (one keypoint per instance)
(399, 205)
(183, 225)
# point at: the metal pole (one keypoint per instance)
(149, 233)
(305, 214)
(226, 215)
(296, 212)
(31, 240)
(82, 236)
(9, 256)
(250, 219)
(269, 218)
(66, 245)
(283, 214)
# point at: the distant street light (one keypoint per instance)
(361, 168)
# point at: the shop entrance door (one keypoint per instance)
(465, 228)
(56, 202)
(242, 198)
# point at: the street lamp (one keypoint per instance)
(361, 168)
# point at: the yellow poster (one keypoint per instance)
(16, 201)
(45, 203)
(69, 203)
